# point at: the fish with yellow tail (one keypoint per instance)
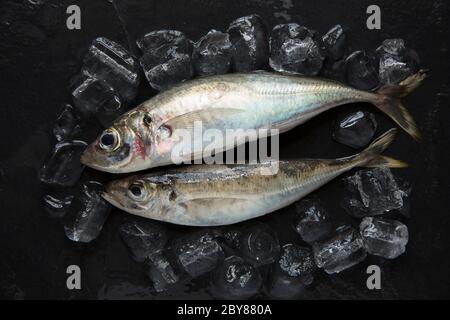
(146, 136)
(214, 195)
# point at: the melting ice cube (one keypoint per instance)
(198, 253)
(249, 37)
(312, 221)
(87, 213)
(162, 272)
(259, 244)
(373, 192)
(63, 168)
(360, 71)
(143, 238)
(294, 49)
(335, 41)
(396, 62)
(292, 272)
(236, 278)
(212, 53)
(384, 237)
(166, 58)
(56, 205)
(342, 251)
(91, 95)
(355, 129)
(110, 62)
(67, 124)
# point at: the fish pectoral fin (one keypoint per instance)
(187, 120)
(209, 211)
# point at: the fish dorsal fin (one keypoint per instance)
(186, 120)
(273, 72)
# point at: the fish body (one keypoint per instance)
(254, 100)
(211, 195)
(148, 135)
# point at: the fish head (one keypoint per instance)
(126, 146)
(137, 195)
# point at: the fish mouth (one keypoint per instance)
(84, 160)
(116, 194)
(112, 200)
(116, 203)
(88, 160)
(112, 194)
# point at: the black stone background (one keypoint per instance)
(39, 55)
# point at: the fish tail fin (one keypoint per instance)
(388, 100)
(371, 156)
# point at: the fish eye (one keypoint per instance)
(109, 140)
(137, 191)
(147, 119)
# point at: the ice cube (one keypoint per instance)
(198, 253)
(372, 192)
(143, 238)
(312, 221)
(334, 69)
(249, 37)
(70, 125)
(236, 278)
(162, 73)
(161, 41)
(212, 53)
(91, 95)
(335, 42)
(108, 112)
(384, 237)
(56, 205)
(161, 272)
(87, 213)
(108, 61)
(166, 58)
(63, 168)
(406, 189)
(360, 71)
(342, 251)
(232, 237)
(67, 124)
(259, 244)
(393, 71)
(355, 129)
(283, 32)
(396, 62)
(293, 271)
(297, 261)
(395, 47)
(294, 49)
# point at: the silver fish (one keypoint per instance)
(146, 136)
(212, 195)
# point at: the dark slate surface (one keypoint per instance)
(38, 56)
